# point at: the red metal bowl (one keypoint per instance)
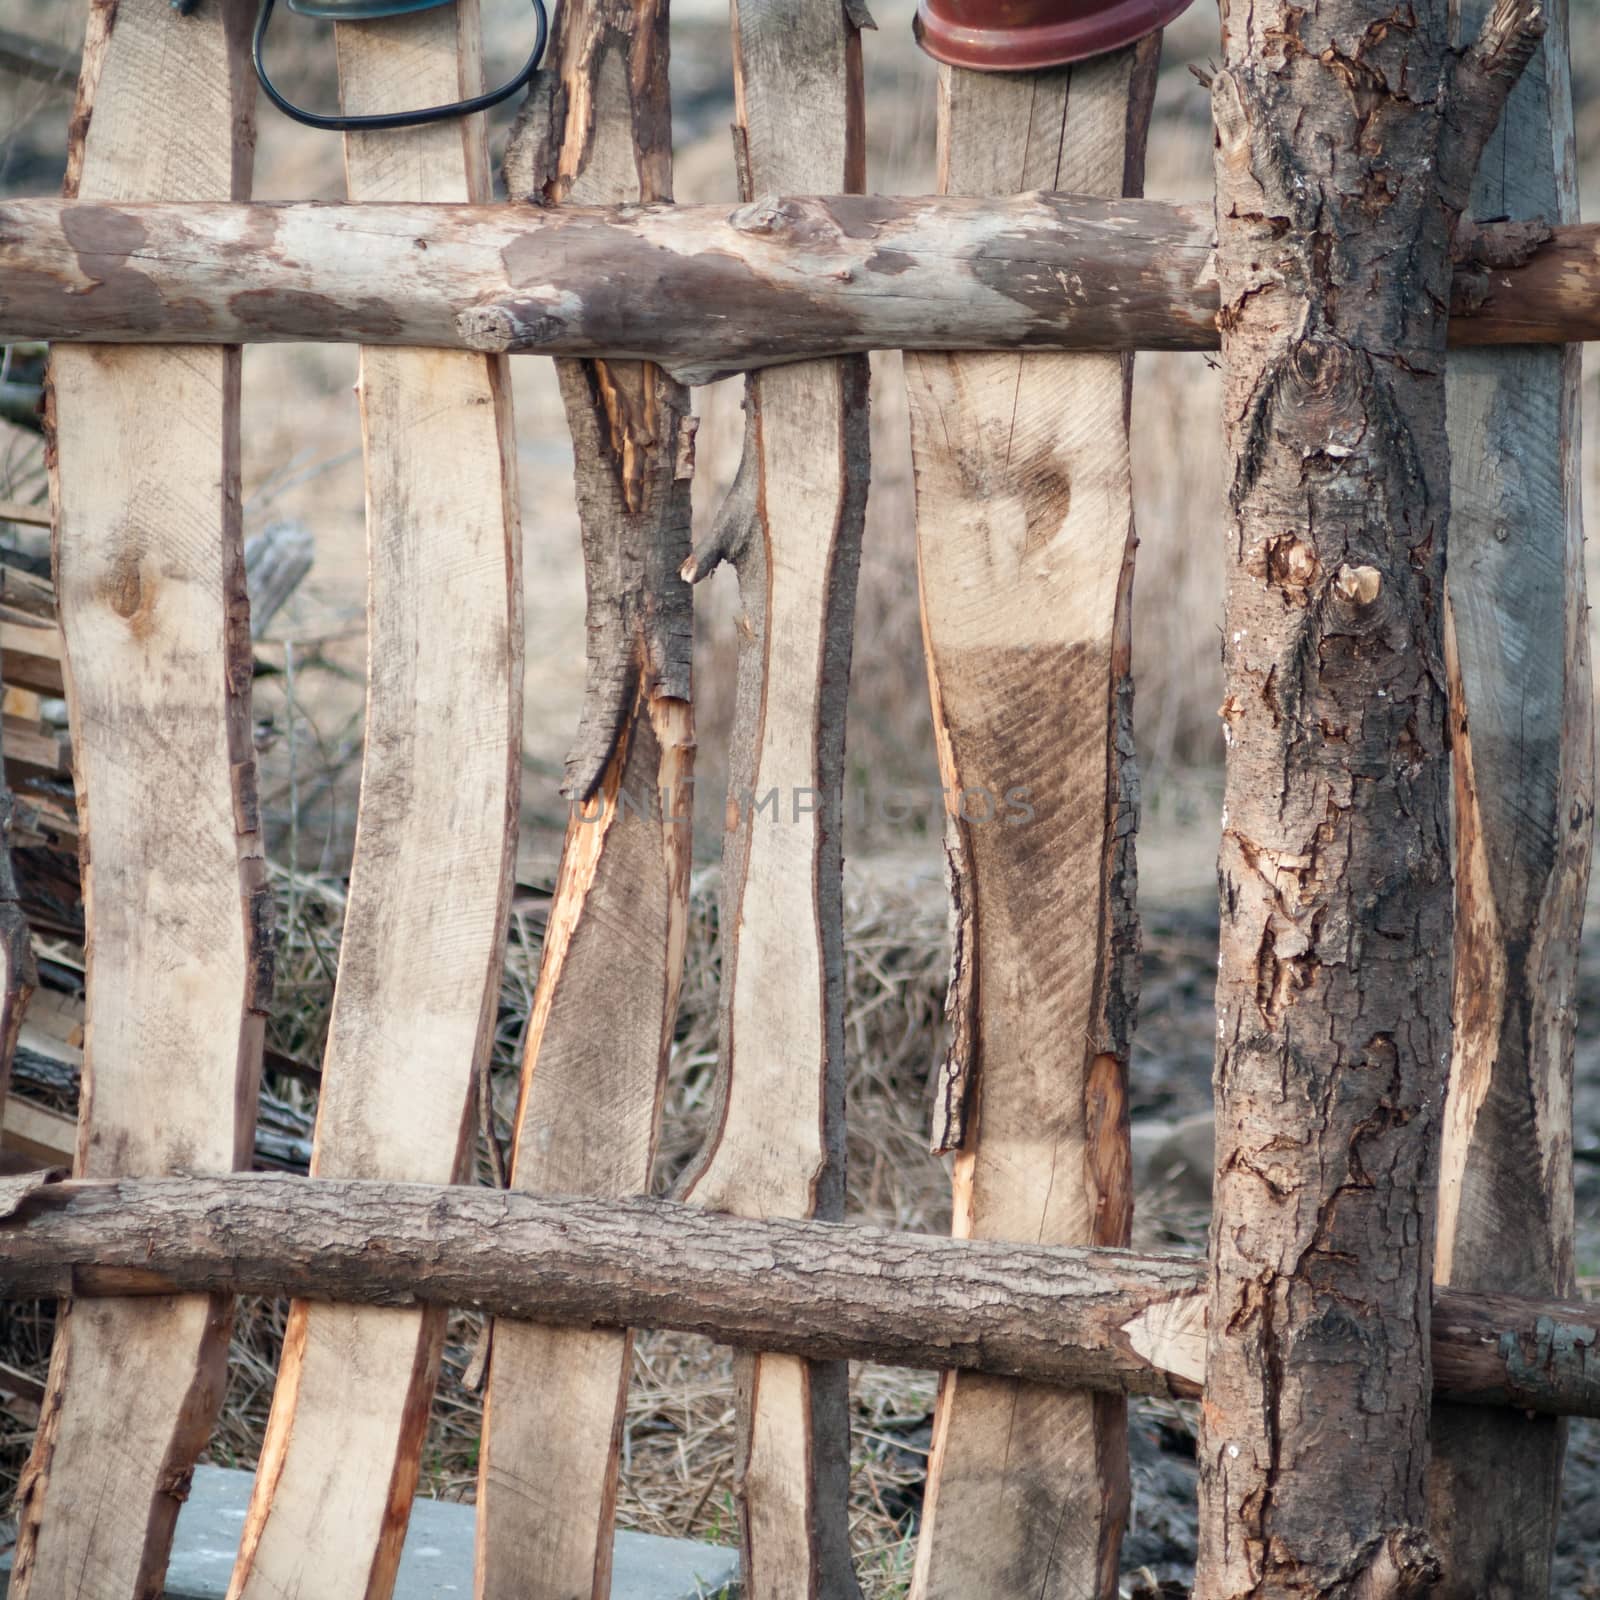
(1024, 35)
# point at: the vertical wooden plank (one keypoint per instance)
(1025, 547)
(591, 1094)
(424, 931)
(1523, 709)
(150, 576)
(792, 528)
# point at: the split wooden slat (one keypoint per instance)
(156, 628)
(792, 529)
(419, 971)
(1523, 713)
(591, 1095)
(1025, 547)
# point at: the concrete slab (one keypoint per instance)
(437, 1562)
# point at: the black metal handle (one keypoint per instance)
(381, 121)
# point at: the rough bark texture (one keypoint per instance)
(1111, 1320)
(788, 279)
(1346, 142)
(424, 933)
(599, 130)
(1025, 536)
(156, 642)
(792, 529)
(1523, 733)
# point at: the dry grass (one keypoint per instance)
(677, 1473)
(677, 1463)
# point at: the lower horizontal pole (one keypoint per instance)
(703, 290)
(1100, 1319)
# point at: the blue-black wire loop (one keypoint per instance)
(378, 122)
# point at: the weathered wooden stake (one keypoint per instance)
(150, 576)
(601, 1033)
(424, 933)
(792, 529)
(1333, 990)
(1522, 714)
(1025, 553)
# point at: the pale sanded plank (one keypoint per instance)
(155, 625)
(591, 1095)
(424, 931)
(1522, 698)
(1024, 520)
(793, 530)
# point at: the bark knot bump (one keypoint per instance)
(490, 329)
(1291, 562)
(1359, 585)
(1403, 1565)
(767, 214)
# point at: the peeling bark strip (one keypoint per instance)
(591, 1096)
(1024, 542)
(792, 529)
(1333, 988)
(1111, 1320)
(150, 573)
(435, 843)
(1523, 714)
(789, 279)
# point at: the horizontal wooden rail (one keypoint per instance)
(26, 57)
(703, 290)
(1103, 1319)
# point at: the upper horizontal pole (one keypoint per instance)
(703, 290)
(1101, 1319)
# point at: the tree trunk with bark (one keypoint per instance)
(1346, 143)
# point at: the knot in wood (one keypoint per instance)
(486, 328)
(1322, 367)
(1291, 562)
(1359, 585)
(507, 326)
(768, 214)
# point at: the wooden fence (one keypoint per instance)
(1019, 294)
